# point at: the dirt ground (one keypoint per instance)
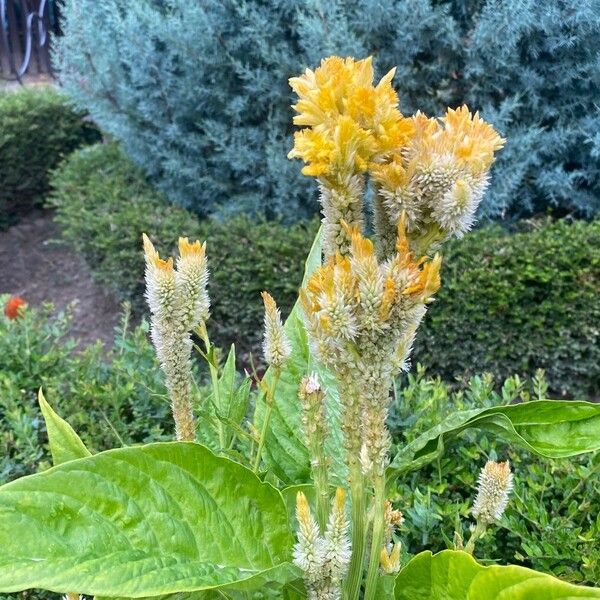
(35, 266)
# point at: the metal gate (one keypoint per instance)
(25, 30)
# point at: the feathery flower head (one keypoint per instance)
(441, 175)
(276, 345)
(308, 550)
(336, 548)
(494, 486)
(160, 282)
(192, 281)
(356, 295)
(350, 121)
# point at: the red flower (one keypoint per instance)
(11, 308)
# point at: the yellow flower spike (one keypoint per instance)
(153, 258)
(303, 513)
(472, 139)
(191, 249)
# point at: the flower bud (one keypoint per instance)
(494, 486)
(276, 346)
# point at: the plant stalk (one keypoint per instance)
(214, 378)
(270, 395)
(377, 538)
(355, 570)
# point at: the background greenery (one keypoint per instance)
(116, 397)
(551, 523)
(510, 302)
(209, 119)
(38, 128)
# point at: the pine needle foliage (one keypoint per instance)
(197, 91)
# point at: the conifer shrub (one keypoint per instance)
(208, 115)
(38, 128)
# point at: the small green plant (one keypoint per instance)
(289, 496)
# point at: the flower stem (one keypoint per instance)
(355, 571)
(269, 399)
(320, 479)
(214, 378)
(377, 538)
(477, 533)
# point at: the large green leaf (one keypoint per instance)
(452, 575)
(551, 428)
(285, 451)
(143, 521)
(65, 444)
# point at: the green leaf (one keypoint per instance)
(285, 452)
(65, 444)
(453, 575)
(144, 521)
(550, 428)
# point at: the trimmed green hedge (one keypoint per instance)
(509, 303)
(38, 128)
(512, 303)
(104, 204)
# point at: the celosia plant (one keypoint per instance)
(290, 500)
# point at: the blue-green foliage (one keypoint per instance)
(197, 91)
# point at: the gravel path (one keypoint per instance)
(33, 265)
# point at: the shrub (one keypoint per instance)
(104, 205)
(112, 397)
(208, 117)
(512, 303)
(38, 128)
(550, 522)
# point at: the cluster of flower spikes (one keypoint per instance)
(178, 302)
(323, 558)
(434, 170)
(362, 314)
(348, 124)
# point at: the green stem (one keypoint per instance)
(477, 533)
(320, 479)
(214, 378)
(355, 570)
(377, 538)
(270, 395)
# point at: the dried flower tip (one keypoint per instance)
(309, 385)
(494, 486)
(276, 346)
(393, 518)
(390, 562)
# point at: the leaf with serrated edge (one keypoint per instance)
(454, 575)
(143, 521)
(65, 444)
